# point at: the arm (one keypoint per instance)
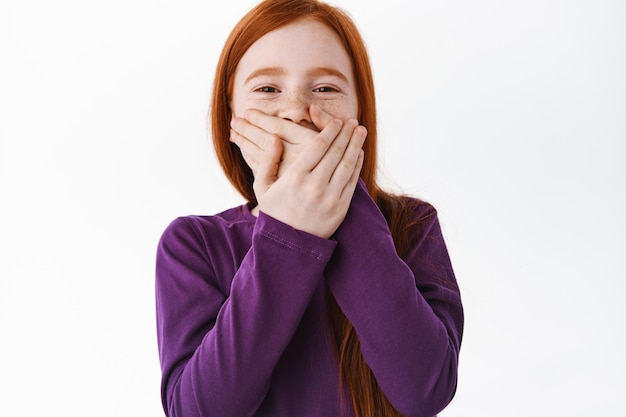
(406, 313)
(218, 350)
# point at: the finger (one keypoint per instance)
(288, 131)
(344, 149)
(251, 162)
(250, 131)
(267, 171)
(336, 151)
(249, 150)
(314, 151)
(343, 169)
(348, 189)
(319, 116)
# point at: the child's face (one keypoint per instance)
(288, 69)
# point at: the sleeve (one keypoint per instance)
(218, 350)
(407, 313)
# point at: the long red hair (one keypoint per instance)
(366, 397)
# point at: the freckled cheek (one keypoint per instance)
(339, 109)
(266, 106)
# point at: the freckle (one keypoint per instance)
(331, 108)
(261, 105)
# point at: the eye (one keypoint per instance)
(267, 89)
(325, 89)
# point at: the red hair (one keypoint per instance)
(264, 18)
(366, 397)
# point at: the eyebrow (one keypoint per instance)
(269, 71)
(314, 72)
(319, 71)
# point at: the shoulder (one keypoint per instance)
(422, 218)
(205, 246)
(202, 231)
(201, 225)
(406, 209)
(418, 209)
(413, 222)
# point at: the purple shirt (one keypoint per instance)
(241, 314)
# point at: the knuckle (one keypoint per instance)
(320, 143)
(269, 140)
(346, 165)
(337, 150)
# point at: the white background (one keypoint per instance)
(510, 117)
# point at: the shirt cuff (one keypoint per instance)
(279, 233)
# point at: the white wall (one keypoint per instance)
(508, 116)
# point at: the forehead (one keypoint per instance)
(302, 44)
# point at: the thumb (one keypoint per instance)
(267, 170)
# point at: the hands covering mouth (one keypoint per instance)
(304, 176)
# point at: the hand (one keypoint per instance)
(252, 133)
(314, 191)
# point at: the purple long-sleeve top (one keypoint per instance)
(241, 314)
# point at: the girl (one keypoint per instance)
(323, 295)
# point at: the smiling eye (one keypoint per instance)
(267, 89)
(325, 89)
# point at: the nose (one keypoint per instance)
(296, 109)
